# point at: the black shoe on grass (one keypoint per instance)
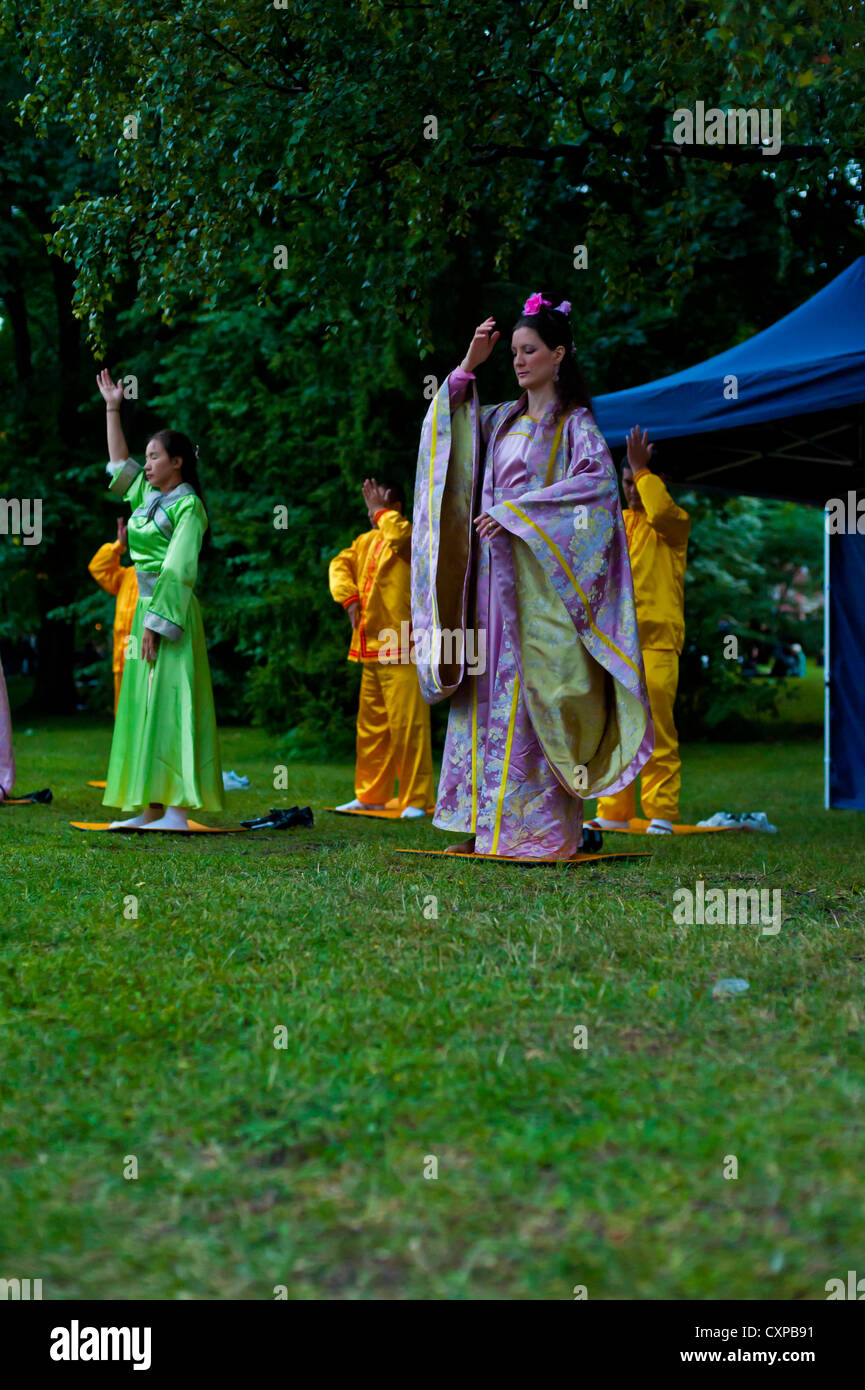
(281, 819)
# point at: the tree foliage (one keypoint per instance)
(282, 219)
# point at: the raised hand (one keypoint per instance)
(639, 449)
(481, 345)
(111, 394)
(375, 496)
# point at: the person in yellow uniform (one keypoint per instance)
(371, 580)
(657, 532)
(119, 580)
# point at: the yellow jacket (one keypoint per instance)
(375, 571)
(117, 579)
(658, 548)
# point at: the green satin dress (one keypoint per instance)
(165, 746)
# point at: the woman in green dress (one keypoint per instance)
(165, 752)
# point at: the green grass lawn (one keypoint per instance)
(410, 1037)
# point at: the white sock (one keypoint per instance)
(657, 826)
(173, 819)
(361, 806)
(143, 818)
(605, 824)
(411, 811)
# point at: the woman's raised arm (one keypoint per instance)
(486, 336)
(112, 396)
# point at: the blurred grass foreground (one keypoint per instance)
(301, 1060)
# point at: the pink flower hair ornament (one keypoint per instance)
(535, 302)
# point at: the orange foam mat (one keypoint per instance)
(638, 826)
(97, 784)
(504, 859)
(389, 813)
(194, 829)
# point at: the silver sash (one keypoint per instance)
(146, 582)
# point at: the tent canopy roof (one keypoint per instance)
(792, 422)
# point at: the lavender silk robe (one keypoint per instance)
(560, 710)
(7, 755)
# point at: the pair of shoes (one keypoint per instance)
(280, 818)
(360, 806)
(658, 826)
(593, 840)
(232, 783)
(741, 820)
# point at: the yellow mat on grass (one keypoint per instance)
(638, 826)
(193, 828)
(505, 859)
(389, 813)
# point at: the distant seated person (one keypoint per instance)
(120, 580)
(749, 662)
(789, 660)
(657, 531)
(371, 579)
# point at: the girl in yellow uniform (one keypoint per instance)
(119, 580)
(371, 580)
(657, 532)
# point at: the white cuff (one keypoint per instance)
(122, 475)
(157, 623)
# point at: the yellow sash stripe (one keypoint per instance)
(501, 801)
(556, 442)
(474, 752)
(432, 576)
(572, 577)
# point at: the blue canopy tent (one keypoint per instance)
(783, 415)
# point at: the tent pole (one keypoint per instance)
(827, 587)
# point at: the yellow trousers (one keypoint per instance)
(661, 778)
(393, 738)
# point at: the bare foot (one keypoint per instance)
(464, 847)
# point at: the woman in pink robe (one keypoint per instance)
(519, 542)
(7, 755)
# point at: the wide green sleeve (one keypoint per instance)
(128, 482)
(174, 587)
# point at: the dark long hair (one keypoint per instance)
(179, 445)
(553, 329)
